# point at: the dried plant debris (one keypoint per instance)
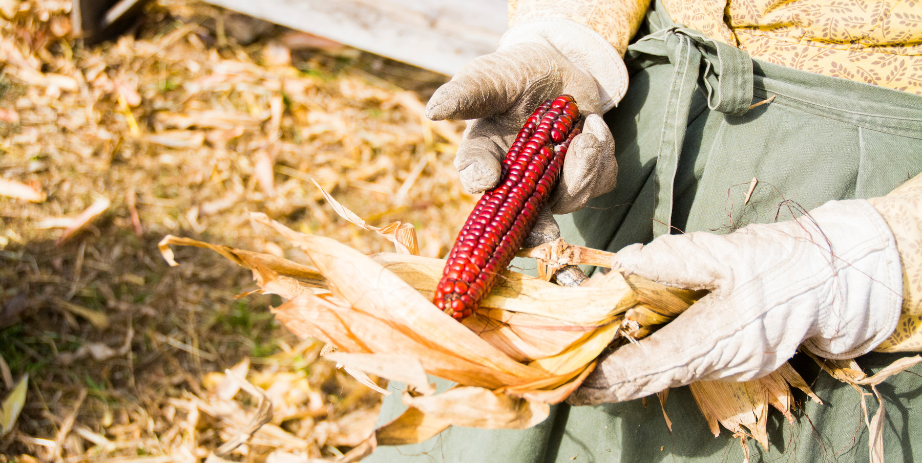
(520, 352)
(181, 127)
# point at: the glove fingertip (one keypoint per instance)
(582, 142)
(582, 397)
(476, 178)
(443, 104)
(596, 125)
(629, 258)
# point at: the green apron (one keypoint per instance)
(688, 146)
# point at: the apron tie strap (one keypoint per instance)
(728, 78)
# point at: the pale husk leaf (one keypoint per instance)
(403, 235)
(849, 372)
(372, 289)
(384, 324)
(479, 408)
(461, 406)
(569, 364)
(322, 318)
(363, 378)
(662, 396)
(354, 331)
(404, 368)
(795, 380)
(273, 274)
(411, 427)
(560, 340)
(515, 292)
(668, 302)
(522, 336)
(555, 396)
(897, 366)
(876, 430)
(525, 337)
(580, 354)
(779, 394)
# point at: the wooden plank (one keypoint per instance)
(99, 20)
(440, 35)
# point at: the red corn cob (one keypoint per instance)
(504, 216)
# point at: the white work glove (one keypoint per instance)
(831, 280)
(537, 61)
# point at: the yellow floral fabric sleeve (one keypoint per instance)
(706, 16)
(877, 42)
(616, 21)
(902, 209)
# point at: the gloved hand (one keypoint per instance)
(536, 61)
(831, 280)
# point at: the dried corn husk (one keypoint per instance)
(742, 406)
(526, 348)
(376, 311)
(850, 373)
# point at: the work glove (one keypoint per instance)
(830, 281)
(537, 61)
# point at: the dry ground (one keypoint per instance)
(183, 126)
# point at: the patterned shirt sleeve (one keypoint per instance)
(615, 20)
(902, 209)
(879, 42)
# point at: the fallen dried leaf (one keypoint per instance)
(12, 405)
(177, 139)
(74, 224)
(128, 91)
(262, 415)
(97, 318)
(403, 235)
(8, 9)
(12, 189)
(10, 116)
(264, 171)
(276, 54)
(98, 351)
(213, 119)
(230, 385)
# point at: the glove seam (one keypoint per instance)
(881, 241)
(843, 260)
(752, 287)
